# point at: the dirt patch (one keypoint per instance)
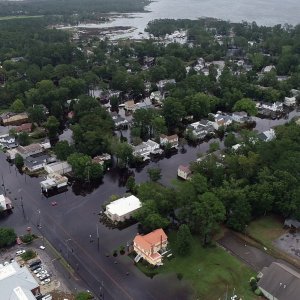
(290, 243)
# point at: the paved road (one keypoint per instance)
(254, 257)
(68, 225)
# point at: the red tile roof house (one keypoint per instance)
(148, 246)
(184, 172)
(26, 127)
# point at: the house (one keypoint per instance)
(151, 246)
(8, 142)
(59, 167)
(276, 106)
(26, 127)
(157, 96)
(295, 92)
(101, 159)
(119, 121)
(37, 161)
(18, 283)
(53, 181)
(184, 172)
(123, 208)
(14, 119)
(162, 83)
(5, 203)
(267, 135)
(45, 144)
(145, 149)
(201, 128)
(129, 105)
(29, 150)
(268, 69)
(290, 101)
(292, 223)
(171, 140)
(146, 104)
(221, 120)
(279, 282)
(240, 116)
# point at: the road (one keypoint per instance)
(68, 226)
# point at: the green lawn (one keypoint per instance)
(211, 271)
(266, 229)
(18, 17)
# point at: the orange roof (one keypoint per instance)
(147, 241)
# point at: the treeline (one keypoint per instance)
(69, 7)
(262, 178)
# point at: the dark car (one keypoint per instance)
(34, 263)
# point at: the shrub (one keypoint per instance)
(83, 296)
(115, 253)
(29, 254)
(179, 276)
(122, 250)
(258, 292)
(7, 237)
(27, 238)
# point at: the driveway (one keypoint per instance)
(255, 258)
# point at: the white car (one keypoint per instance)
(6, 263)
(41, 273)
(19, 252)
(42, 247)
(48, 280)
(43, 282)
(37, 270)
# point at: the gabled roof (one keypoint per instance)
(281, 282)
(151, 239)
(184, 169)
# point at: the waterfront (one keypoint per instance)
(263, 12)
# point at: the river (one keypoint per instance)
(263, 12)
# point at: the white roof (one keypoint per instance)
(123, 206)
(2, 202)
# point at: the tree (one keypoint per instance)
(214, 146)
(230, 140)
(173, 111)
(130, 184)
(19, 161)
(247, 105)
(183, 240)
(23, 139)
(63, 150)
(154, 174)
(17, 106)
(36, 114)
(7, 237)
(83, 296)
(52, 126)
(123, 152)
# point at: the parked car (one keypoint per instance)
(53, 203)
(41, 273)
(34, 263)
(35, 267)
(19, 252)
(42, 247)
(6, 263)
(45, 276)
(47, 280)
(37, 270)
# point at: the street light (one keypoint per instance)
(39, 218)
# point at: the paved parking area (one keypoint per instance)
(57, 282)
(290, 243)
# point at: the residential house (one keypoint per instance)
(171, 140)
(295, 92)
(122, 209)
(240, 117)
(8, 142)
(119, 121)
(268, 69)
(145, 104)
(37, 161)
(292, 223)
(25, 151)
(145, 149)
(26, 127)
(59, 167)
(53, 181)
(162, 83)
(157, 96)
(290, 101)
(267, 135)
(18, 283)
(221, 120)
(5, 203)
(276, 106)
(201, 128)
(149, 61)
(151, 246)
(101, 159)
(129, 105)
(184, 172)
(14, 119)
(279, 282)
(45, 144)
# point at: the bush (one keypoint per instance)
(83, 296)
(253, 283)
(27, 238)
(179, 276)
(122, 250)
(115, 253)
(29, 254)
(258, 292)
(7, 237)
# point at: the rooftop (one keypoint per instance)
(147, 241)
(124, 205)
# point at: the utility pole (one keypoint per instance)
(39, 219)
(21, 199)
(102, 290)
(98, 237)
(3, 185)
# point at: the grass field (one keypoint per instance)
(211, 272)
(18, 17)
(266, 229)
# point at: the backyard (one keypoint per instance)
(212, 272)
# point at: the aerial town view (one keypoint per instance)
(149, 150)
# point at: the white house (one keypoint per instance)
(268, 69)
(53, 181)
(239, 116)
(7, 141)
(267, 135)
(290, 101)
(37, 162)
(184, 172)
(123, 208)
(145, 149)
(221, 120)
(276, 106)
(171, 140)
(60, 167)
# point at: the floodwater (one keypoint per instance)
(263, 12)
